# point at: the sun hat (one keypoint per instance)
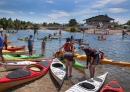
(100, 50)
(1, 29)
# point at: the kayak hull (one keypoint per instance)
(58, 71)
(112, 86)
(89, 85)
(25, 74)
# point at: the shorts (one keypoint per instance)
(96, 60)
(69, 56)
(30, 48)
(1, 52)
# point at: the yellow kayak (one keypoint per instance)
(106, 61)
(16, 52)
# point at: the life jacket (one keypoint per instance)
(68, 47)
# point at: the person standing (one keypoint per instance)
(5, 41)
(1, 44)
(92, 63)
(43, 44)
(30, 45)
(68, 55)
(60, 32)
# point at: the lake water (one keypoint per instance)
(114, 47)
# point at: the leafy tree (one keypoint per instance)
(10, 24)
(128, 22)
(72, 22)
(44, 24)
(17, 24)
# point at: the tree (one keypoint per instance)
(44, 24)
(128, 22)
(17, 24)
(72, 22)
(10, 24)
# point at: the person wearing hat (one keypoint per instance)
(68, 55)
(1, 44)
(93, 58)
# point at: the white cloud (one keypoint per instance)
(117, 10)
(58, 14)
(49, 1)
(5, 11)
(31, 12)
(78, 1)
(102, 3)
(121, 20)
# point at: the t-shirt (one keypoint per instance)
(29, 42)
(1, 41)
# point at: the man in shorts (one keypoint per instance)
(30, 45)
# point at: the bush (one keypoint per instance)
(72, 29)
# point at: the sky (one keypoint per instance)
(61, 11)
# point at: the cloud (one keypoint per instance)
(31, 12)
(78, 1)
(58, 14)
(49, 1)
(117, 10)
(102, 3)
(5, 11)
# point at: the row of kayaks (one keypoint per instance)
(105, 61)
(39, 67)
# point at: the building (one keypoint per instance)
(101, 21)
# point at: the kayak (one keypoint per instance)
(42, 39)
(112, 86)
(23, 56)
(24, 74)
(16, 64)
(14, 48)
(89, 85)
(22, 39)
(106, 61)
(17, 52)
(57, 69)
(76, 64)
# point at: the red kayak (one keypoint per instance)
(112, 86)
(24, 74)
(14, 48)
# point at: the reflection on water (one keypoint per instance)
(114, 47)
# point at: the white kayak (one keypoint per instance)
(16, 64)
(58, 71)
(89, 85)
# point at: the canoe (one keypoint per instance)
(57, 69)
(81, 43)
(14, 48)
(112, 86)
(89, 85)
(16, 64)
(24, 74)
(23, 56)
(17, 52)
(107, 61)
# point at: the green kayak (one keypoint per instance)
(22, 39)
(76, 63)
(23, 56)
